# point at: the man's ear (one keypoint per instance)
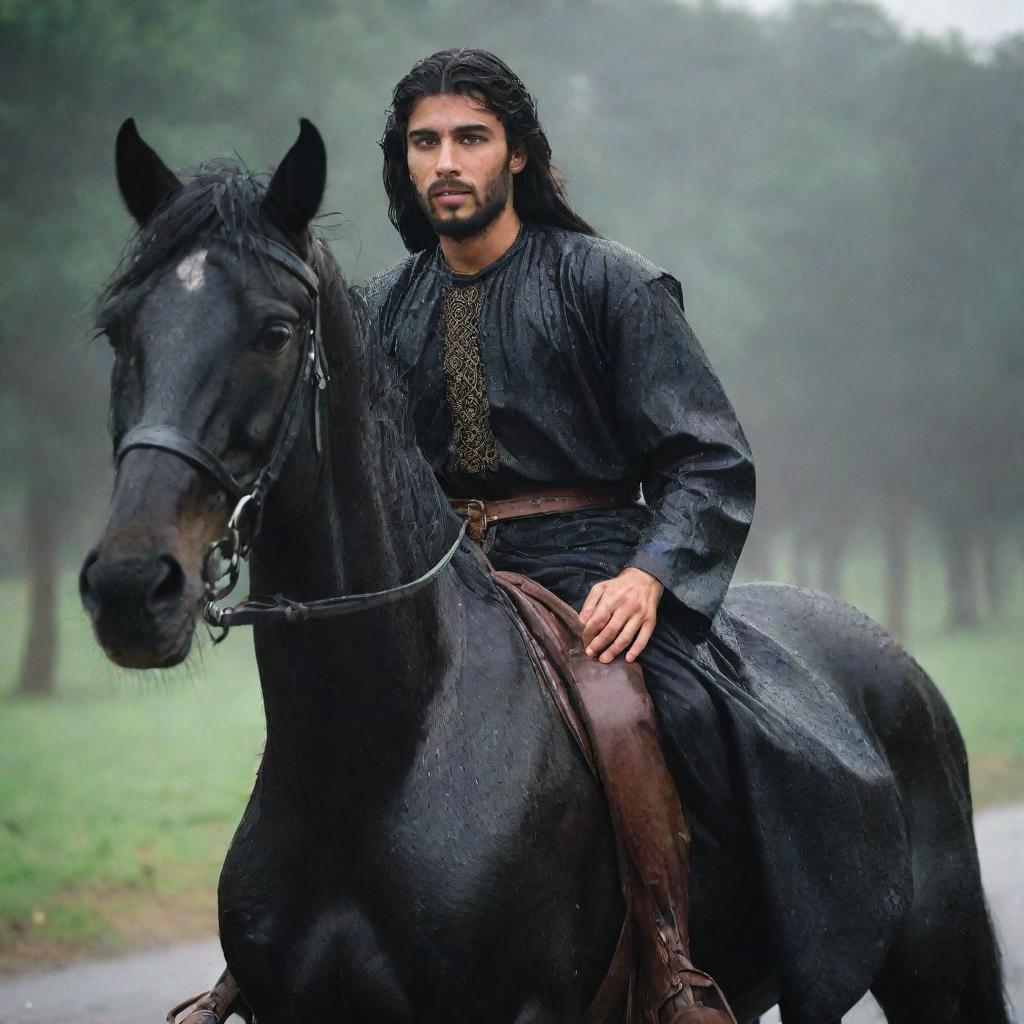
(518, 159)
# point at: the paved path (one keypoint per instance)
(132, 990)
(140, 988)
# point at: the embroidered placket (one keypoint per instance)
(472, 438)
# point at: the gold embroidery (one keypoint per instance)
(464, 380)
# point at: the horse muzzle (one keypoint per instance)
(141, 605)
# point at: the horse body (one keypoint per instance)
(424, 842)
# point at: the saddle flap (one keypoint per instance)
(610, 715)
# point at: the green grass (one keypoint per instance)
(125, 789)
(979, 673)
(118, 798)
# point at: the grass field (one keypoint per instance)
(118, 799)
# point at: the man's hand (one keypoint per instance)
(620, 612)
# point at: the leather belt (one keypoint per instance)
(540, 502)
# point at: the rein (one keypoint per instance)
(222, 561)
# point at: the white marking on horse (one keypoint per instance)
(191, 271)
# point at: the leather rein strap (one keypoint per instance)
(251, 495)
(255, 610)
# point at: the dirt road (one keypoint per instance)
(139, 989)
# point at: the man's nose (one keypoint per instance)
(448, 163)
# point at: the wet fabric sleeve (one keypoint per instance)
(695, 464)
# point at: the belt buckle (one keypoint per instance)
(476, 513)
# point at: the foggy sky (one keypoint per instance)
(981, 21)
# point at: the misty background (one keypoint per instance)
(840, 194)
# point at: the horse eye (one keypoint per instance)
(275, 337)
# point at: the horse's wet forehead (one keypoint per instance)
(201, 309)
(185, 327)
(209, 280)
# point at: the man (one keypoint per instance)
(541, 358)
(547, 365)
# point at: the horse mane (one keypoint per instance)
(420, 516)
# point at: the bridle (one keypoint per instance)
(222, 561)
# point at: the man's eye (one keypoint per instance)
(473, 138)
(274, 338)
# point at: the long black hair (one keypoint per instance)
(539, 192)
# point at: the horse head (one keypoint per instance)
(214, 323)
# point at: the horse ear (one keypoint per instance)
(295, 191)
(144, 179)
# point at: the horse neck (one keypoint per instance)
(350, 694)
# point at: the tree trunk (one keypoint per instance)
(835, 540)
(995, 574)
(38, 662)
(897, 562)
(963, 595)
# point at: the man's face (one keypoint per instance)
(460, 163)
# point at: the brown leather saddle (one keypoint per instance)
(609, 714)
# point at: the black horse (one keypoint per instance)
(424, 842)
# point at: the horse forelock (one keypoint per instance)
(223, 199)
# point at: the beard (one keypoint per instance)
(459, 228)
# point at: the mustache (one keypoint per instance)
(449, 184)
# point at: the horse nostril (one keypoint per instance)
(89, 596)
(168, 587)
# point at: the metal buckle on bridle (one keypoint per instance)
(222, 563)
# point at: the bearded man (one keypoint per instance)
(553, 369)
(544, 361)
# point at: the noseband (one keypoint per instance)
(221, 564)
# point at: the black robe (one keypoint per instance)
(593, 375)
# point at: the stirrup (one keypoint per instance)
(200, 1014)
(213, 1007)
(699, 990)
